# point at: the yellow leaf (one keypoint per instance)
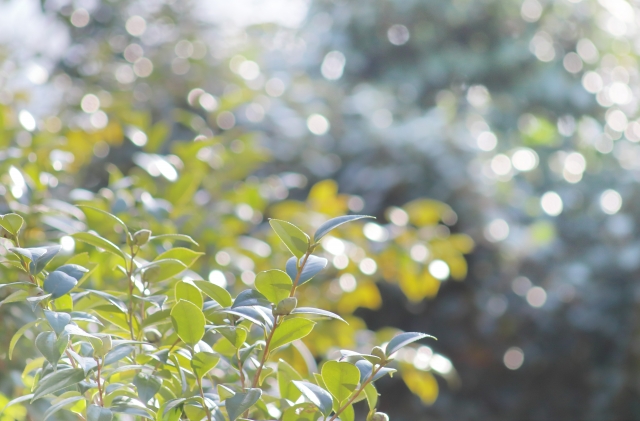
(428, 212)
(324, 198)
(422, 384)
(366, 295)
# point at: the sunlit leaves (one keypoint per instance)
(312, 266)
(250, 297)
(98, 413)
(274, 284)
(56, 381)
(186, 291)
(291, 330)
(286, 375)
(63, 279)
(51, 346)
(147, 385)
(404, 339)
(316, 395)
(202, 362)
(334, 223)
(293, 237)
(340, 379)
(99, 242)
(241, 402)
(12, 223)
(217, 293)
(188, 321)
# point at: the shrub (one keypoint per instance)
(164, 344)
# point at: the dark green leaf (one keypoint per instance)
(241, 402)
(312, 267)
(293, 237)
(56, 381)
(147, 385)
(102, 243)
(404, 339)
(251, 297)
(335, 222)
(316, 395)
(51, 346)
(365, 368)
(60, 405)
(59, 283)
(40, 260)
(98, 413)
(57, 321)
(117, 353)
(75, 271)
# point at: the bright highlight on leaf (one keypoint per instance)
(188, 321)
(293, 237)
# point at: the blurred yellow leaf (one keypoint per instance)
(324, 198)
(428, 212)
(421, 383)
(366, 295)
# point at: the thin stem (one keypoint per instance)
(25, 266)
(355, 395)
(130, 279)
(204, 403)
(295, 282)
(98, 381)
(73, 362)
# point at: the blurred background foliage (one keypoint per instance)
(207, 118)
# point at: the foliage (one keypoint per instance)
(152, 351)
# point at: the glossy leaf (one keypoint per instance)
(340, 379)
(286, 375)
(250, 297)
(312, 267)
(60, 405)
(291, 330)
(147, 385)
(274, 284)
(161, 270)
(188, 321)
(39, 260)
(98, 413)
(240, 402)
(75, 271)
(215, 292)
(51, 347)
(316, 395)
(11, 222)
(117, 354)
(202, 362)
(365, 368)
(59, 283)
(334, 223)
(317, 312)
(57, 320)
(100, 242)
(372, 396)
(301, 412)
(293, 237)
(56, 381)
(186, 291)
(404, 339)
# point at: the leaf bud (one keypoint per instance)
(380, 416)
(378, 352)
(286, 306)
(141, 237)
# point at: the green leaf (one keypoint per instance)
(59, 283)
(16, 337)
(242, 401)
(16, 400)
(15, 296)
(372, 396)
(57, 321)
(60, 405)
(102, 243)
(317, 312)
(273, 284)
(202, 362)
(347, 414)
(51, 346)
(186, 256)
(335, 222)
(147, 385)
(312, 267)
(316, 395)
(250, 297)
(340, 379)
(286, 374)
(291, 330)
(236, 335)
(301, 412)
(293, 237)
(188, 321)
(179, 237)
(95, 215)
(12, 222)
(160, 270)
(186, 291)
(365, 368)
(216, 292)
(40, 259)
(404, 339)
(56, 381)
(117, 353)
(98, 413)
